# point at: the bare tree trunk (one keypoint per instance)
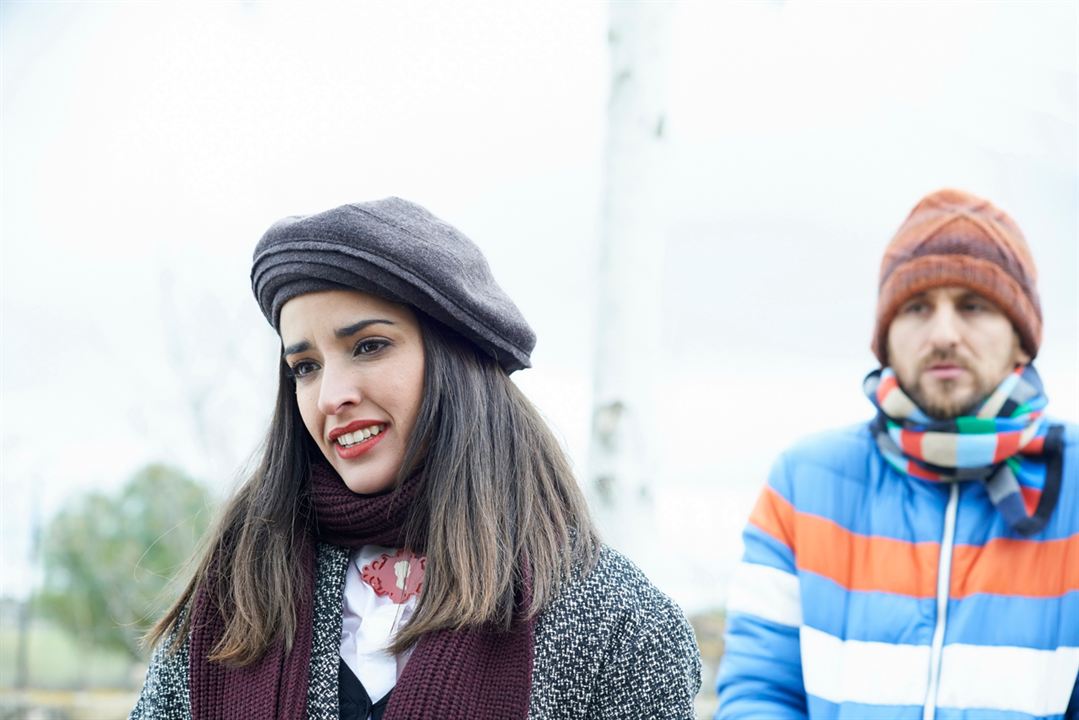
(623, 463)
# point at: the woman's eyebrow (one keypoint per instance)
(299, 347)
(357, 327)
(304, 345)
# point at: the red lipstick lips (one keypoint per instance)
(364, 446)
(353, 427)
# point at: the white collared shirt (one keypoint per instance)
(369, 624)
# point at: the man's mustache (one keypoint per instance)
(943, 357)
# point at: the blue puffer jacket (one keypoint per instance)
(865, 593)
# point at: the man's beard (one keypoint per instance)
(941, 402)
(943, 405)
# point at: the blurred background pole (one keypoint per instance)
(625, 426)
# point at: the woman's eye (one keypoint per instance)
(369, 346)
(915, 307)
(303, 368)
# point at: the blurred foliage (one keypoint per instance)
(708, 626)
(55, 661)
(66, 705)
(109, 559)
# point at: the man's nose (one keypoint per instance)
(339, 390)
(944, 327)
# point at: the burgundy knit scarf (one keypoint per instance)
(478, 673)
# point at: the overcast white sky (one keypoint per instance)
(147, 146)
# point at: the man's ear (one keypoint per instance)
(1021, 356)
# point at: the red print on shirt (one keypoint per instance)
(398, 576)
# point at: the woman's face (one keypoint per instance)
(358, 365)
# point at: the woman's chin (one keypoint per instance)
(365, 483)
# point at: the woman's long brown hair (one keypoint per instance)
(497, 501)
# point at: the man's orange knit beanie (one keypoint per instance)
(954, 238)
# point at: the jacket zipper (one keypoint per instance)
(944, 579)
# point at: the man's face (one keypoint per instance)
(950, 348)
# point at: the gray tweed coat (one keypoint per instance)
(611, 646)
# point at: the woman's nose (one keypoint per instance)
(339, 390)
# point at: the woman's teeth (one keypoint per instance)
(350, 439)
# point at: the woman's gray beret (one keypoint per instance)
(399, 251)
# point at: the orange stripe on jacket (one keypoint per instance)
(856, 562)
(775, 516)
(865, 563)
(1026, 568)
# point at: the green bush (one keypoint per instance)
(109, 559)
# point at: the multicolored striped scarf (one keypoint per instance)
(1006, 444)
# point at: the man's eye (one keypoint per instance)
(914, 308)
(369, 346)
